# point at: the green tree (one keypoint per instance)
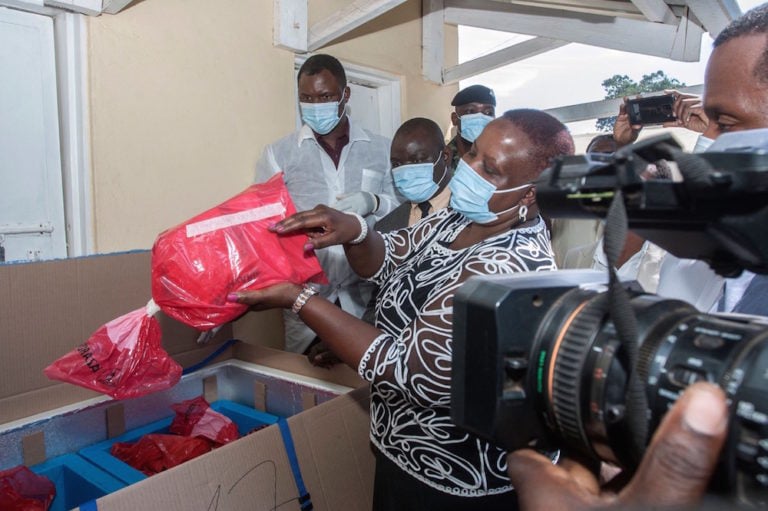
(619, 86)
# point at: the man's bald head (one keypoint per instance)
(420, 140)
(426, 131)
(417, 140)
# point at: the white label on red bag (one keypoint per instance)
(243, 217)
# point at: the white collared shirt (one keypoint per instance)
(312, 179)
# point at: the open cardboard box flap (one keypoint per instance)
(51, 307)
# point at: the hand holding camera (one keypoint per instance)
(689, 112)
(674, 472)
(673, 109)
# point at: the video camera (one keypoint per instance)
(539, 361)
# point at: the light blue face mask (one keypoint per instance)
(470, 194)
(416, 180)
(702, 144)
(321, 117)
(473, 124)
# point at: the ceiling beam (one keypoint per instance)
(509, 55)
(715, 15)
(645, 37)
(604, 7)
(687, 44)
(432, 40)
(290, 27)
(656, 10)
(114, 6)
(347, 19)
(89, 7)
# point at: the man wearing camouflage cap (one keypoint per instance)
(474, 108)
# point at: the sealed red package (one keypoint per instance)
(122, 359)
(23, 490)
(154, 453)
(195, 417)
(195, 265)
(227, 249)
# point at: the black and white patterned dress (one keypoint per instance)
(409, 366)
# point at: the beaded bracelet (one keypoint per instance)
(306, 293)
(363, 230)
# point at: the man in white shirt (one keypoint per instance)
(332, 161)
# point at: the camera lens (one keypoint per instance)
(586, 370)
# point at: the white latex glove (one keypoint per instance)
(362, 203)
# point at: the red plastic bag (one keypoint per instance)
(154, 453)
(195, 417)
(227, 249)
(23, 490)
(195, 265)
(122, 359)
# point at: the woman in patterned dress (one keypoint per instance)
(492, 227)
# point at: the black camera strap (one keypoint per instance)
(624, 321)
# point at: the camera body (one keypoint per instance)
(538, 361)
(717, 212)
(651, 110)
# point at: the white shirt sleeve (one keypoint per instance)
(267, 165)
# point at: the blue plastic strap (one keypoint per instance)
(210, 357)
(304, 499)
(89, 506)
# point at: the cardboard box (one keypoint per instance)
(51, 307)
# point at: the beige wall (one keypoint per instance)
(186, 93)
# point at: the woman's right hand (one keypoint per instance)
(323, 225)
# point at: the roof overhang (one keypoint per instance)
(52, 7)
(669, 29)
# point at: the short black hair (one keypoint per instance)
(322, 62)
(753, 22)
(421, 125)
(550, 137)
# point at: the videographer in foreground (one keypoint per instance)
(685, 449)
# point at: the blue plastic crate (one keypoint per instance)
(246, 419)
(77, 481)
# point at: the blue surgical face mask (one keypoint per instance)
(470, 194)
(416, 181)
(473, 124)
(321, 117)
(702, 144)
